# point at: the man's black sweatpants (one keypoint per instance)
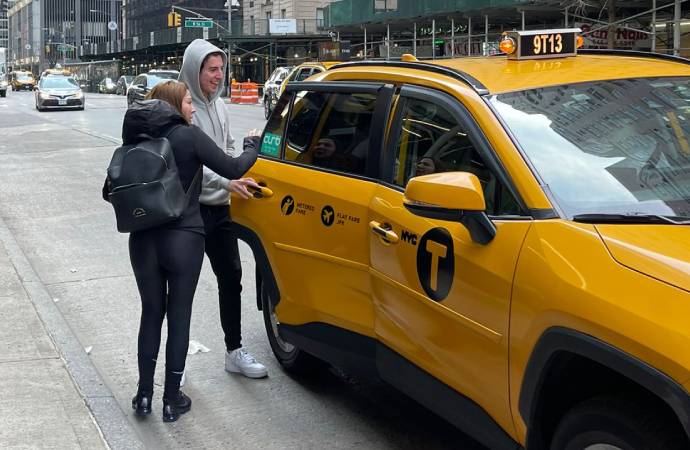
(224, 254)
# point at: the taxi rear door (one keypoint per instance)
(320, 159)
(442, 301)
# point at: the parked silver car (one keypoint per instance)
(58, 92)
(272, 88)
(3, 86)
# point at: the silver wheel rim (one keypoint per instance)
(602, 447)
(284, 346)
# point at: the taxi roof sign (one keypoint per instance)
(539, 44)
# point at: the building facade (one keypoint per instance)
(308, 16)
(4, 33)
(43, 33)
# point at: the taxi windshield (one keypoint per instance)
(52, 82)
(24, 77)
(607, 147)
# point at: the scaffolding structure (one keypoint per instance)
(385, 29)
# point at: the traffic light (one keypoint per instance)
(174, 19)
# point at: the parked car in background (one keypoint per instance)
(272, 88)
(107, 86)
(22, 81)
(142, 84)
(58, 92)
(123, 84)
(3, 86)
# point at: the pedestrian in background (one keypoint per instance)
(203, 70)
(167, 259)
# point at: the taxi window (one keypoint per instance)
(433, 140)
(331, 130)
(272, 140)
(303, 74)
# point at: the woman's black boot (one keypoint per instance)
(141, 403)
(173, 408)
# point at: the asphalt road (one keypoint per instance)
(52, 166)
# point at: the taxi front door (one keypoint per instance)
(441, 300)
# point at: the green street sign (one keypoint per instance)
(63, 48)
(439, 41)
(197, 23)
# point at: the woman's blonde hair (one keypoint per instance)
(171, 91)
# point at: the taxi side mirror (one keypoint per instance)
(451, 196)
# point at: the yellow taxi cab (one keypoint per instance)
(505, 239)
(22, 81)
(305, 70)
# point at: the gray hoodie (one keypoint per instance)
(211, 116)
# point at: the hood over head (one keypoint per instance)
(194, 55)
(151, 117)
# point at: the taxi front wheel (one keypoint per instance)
(613, 423)
(293, 359)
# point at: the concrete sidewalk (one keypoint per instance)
(46, 402)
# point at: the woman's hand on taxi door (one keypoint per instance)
(242, 187)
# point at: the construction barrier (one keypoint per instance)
(250, 93)
(235, 93)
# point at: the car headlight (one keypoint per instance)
(43, 95)
(79, 94)
(3, 83)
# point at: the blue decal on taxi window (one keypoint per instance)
(271, 145)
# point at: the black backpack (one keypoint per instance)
(144, 186)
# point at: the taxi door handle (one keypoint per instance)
(261, 192)
(384, 232)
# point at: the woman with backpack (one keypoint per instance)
(167, 258)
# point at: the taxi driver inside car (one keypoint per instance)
(513, 209)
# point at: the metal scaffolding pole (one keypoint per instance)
(433, 38)
(388, 42)
(486, 35)
(522, 14)
(469, 36)
(676, 29)
(365, 42)
(414, 40)
(452, 38)
(653, 25)
(567, 10)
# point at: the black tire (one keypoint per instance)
(3, 94)
(293, 360)
(618, 423)
(267, 108)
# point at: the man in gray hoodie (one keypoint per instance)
(203, 71)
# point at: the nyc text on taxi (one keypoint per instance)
(505, 239)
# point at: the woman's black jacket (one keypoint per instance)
(192, 148)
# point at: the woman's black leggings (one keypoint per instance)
(166, 265)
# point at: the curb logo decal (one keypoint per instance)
(436, 263)
(287, 205)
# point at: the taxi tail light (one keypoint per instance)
(580, 42)
(507, 45)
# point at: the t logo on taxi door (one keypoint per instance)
(436, 263)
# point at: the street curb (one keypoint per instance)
(118, 433)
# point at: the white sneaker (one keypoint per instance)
(239, 361)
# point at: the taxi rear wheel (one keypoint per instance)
(293, 359)
(611, 423)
